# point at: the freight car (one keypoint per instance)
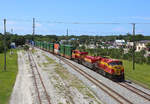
(111, 68)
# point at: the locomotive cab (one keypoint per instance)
(111, 68)
(117, 69)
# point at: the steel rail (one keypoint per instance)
(136, 90)
(31, 59)
(97, 82)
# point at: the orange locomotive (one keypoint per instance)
(78, 56)
(111, 68)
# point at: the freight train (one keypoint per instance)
(110, 68)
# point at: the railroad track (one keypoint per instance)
(135, 90)
(42, 95)
(116, 96)
(119, 98)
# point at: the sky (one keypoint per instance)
(55, 16)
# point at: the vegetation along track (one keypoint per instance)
(135, 90)
(120, 99)
(42, 94)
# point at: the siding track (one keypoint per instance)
(42, 95)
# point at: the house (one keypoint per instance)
(141, 45)
(119, 43)
(129, 45)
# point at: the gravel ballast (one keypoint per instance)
(63, 87)
(136, 99)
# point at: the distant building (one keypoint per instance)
(141, 45)
(13, 45)
(129, 45)
(120, 43)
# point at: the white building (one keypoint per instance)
(129, 45)
(119, 42)
(141, 45)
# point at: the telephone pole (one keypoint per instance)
(95, 53)
(33, 29)
(4, 44)
(133, 57)
(11, 30)
(67, 35)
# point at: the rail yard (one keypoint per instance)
(56, 79)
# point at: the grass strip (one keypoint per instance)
(8, 77)
(141, 74)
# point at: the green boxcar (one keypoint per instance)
(48, 46)
(68, 51)
(45, 45)
(37, 43)
(42, 45)
(62, 50)
(51, 47)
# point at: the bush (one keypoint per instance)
(1, 46)
(148, 60)
(26, 47)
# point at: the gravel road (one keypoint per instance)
(23, 89)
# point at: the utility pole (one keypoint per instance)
(11, 30)
(33, 29)
(67, 35)
(95, 54)
(133, 57)
(4, 44)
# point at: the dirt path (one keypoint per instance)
(22, 92)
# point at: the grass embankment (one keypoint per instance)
(140, 75)
(7, 79)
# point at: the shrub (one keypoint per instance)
(26, 47)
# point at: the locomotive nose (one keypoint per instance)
(118, 69)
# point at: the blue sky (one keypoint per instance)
(19, 14)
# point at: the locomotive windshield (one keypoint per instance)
(115, 63)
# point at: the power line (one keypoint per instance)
(61, 22)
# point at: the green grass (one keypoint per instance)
(140, 75)
(7, 79)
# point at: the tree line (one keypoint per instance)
(82, 39)
(119, 54)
